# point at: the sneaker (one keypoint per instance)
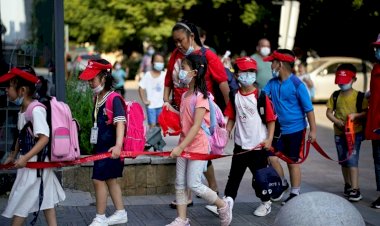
(291, 195)
(179, 222)
(279, 197)
(97, 221)
(264, 209)
(225, 213)
(355, 195)
(118, 218)
(347, 190)
(376, 204)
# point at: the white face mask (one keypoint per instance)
(345, 87)
(98, 89)
(183, 78)
(158, 66)
(264, 51)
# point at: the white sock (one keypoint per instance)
(295, 190)
(101, 216)
(120, 211)
(284, 181)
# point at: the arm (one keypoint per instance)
(230, 126)
(120, 128)
(198, 118)
(143, 96)
(12, 156)
(267, 143)
(223, 86)
(313, 127)
(41, 143)
(330, 115)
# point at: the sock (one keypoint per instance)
(295, 190)
(284, 181)
(120, 211)
(101, 216)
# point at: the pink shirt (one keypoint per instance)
(200, 143)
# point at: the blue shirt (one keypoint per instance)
(291, 102)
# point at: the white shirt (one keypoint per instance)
(154, 88)
(40, 125)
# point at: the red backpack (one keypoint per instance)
(134, 136)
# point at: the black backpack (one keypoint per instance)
(359, 100)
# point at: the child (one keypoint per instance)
(291, 103)
(107, 138)
(345, 105)
(119, 75)
(32, 140)
(250, 132)
(153, 85)
(194, 140)
(305, 78)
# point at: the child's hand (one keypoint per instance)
(176, 152)
(9, 159)
(115, 151)
(352, 116)
(339, 123)
(20, 162)
(267, 143)
(147, 102)
(312, 136)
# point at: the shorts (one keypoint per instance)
(292, 144)
(153, 114)
(342, 150)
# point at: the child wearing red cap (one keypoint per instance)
(250, 132)
(106, 138)
(337, 111)
(31, 142)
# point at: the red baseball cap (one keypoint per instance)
(20, 73)
(93, 68)
(246, 63)
(344, 77)
(280, 57)
(377, 43)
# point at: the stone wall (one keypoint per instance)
(141, 176)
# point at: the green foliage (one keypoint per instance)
(79, 98)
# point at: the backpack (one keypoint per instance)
(63, 141)
(217, 133)
(134, 136)
(359, 100)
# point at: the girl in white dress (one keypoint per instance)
(34, 136)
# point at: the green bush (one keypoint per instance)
(79, 98)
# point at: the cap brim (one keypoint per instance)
(268, 59)
(6, 77)
(342, 80)
(89, 74)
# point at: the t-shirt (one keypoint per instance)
(250, 131)
(373, 115)
(154, 88)
(215, 73)
(40, 125)
(119, 76)
(290, 103)
(345, 105)
(200, 143)
(264, 71)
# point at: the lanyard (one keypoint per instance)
(96, 110)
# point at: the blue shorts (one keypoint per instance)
(292, 144)
(342, 150)
(153, 114)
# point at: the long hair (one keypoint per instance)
(107, 74)
(185, 26)
(197, 62)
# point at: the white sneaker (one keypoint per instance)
(225, 213)
(118, 218)
(264, 209)
(179, 222)
(97, 221)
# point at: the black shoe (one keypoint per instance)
(173, 204)
(279, 197)
(347, 190)
(376, 204)
(355, 195)
(291, 195)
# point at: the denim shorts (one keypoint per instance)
(153, 115)
(342, 150)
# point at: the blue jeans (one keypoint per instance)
(376, 160)
(342, 149)
(153, 114)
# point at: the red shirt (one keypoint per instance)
(215, 73)
(373, 114)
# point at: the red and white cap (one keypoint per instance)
(20, 73)
(280, 57)
(93, 68)
(246, 63)
(344, 77)
(377, 43)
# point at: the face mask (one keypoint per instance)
(151, 51)
(265, 51)
(118, 67)
(275, 73)
(98, 89)
(18, 101)
(190, 49)
(377, 53)
(183, 78)
(158, 66)
(247, 78)
(345, 87)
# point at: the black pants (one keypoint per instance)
(254, 160)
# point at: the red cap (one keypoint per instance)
(93, 68)
(377, 43)
(169, 122)
(18, 72)
(344, 76)
(246, 63)
(280, 57)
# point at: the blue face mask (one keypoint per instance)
(275, 73)
(151, 52)
(247, 78)
(158, 66)
(18, 101)
(345, 87)
(190, 49)
(377, 53)
(183, 78)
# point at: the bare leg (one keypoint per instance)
(18, 221)
(346, 175)
(101, 196)
(115, 192)
(276, 165)
(295, 175)
(354, 172)
(50, 216)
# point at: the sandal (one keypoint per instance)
(173, 204)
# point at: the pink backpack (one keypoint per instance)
(64, 143)
(134, 137)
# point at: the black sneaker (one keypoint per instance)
(347, 190)
(376, 204)
(291, 195)
(279, 197)
(355, 195)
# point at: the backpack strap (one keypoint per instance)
(109, 105)
(261, 105)
(208, 130)
(335, 98)
(359, 102)
(29, 109)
